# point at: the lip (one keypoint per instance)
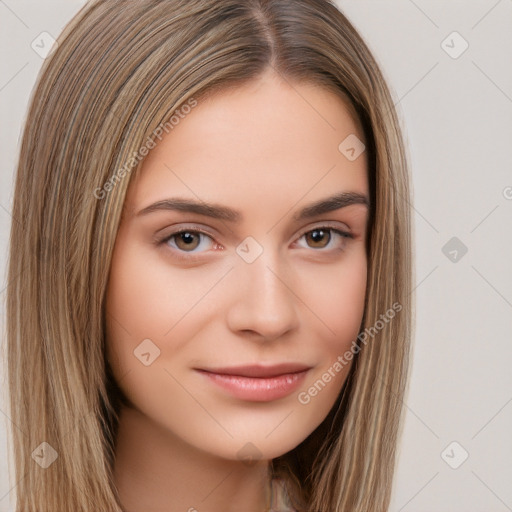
(260, 371)
(258, 383)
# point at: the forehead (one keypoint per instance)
(267, 141)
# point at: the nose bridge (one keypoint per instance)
(264, 300)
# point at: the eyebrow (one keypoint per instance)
(329, 204)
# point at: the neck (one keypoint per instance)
(157, 472)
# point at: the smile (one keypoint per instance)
(256, 383)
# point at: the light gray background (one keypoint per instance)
(457, 119)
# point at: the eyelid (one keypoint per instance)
(171, 230)
(184, 255)
(335, 227)
(327, 224)
(316, 225)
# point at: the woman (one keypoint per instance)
(209, 303)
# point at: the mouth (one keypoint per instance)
(257, 383)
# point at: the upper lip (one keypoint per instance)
(259, 370)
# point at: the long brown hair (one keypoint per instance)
(121, 69)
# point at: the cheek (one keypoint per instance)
(139, 306)
(148, 311)
(339, 304)
(344, 298)
(146, 298)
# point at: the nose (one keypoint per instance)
(265, 303)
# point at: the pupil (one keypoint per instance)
(317, 235)
(187, 237)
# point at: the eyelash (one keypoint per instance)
(195, 230)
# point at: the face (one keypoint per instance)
(225, 322)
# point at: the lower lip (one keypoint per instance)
(258, 389)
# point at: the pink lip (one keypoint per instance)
(258, 383)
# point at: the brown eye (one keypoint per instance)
(187, 240)
(324, 236)
(319, 238)
(188, 243)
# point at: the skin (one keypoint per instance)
(266, 149)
